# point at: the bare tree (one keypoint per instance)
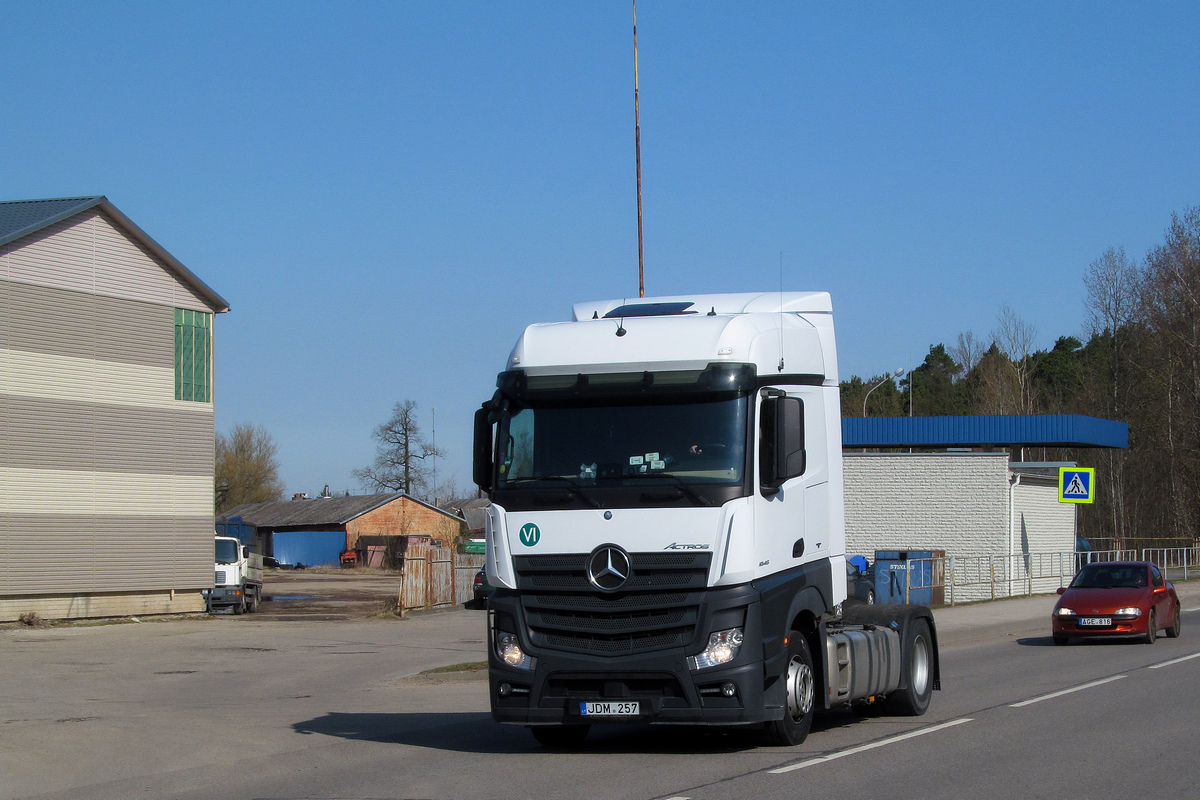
(1171, 309)
(967, 352)
(1016, 338)
(246, 470)
(1112, 292)
(404, 458)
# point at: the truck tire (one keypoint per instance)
(801, 692)
(560, 737)
(252, 601)
(916, 672)
(240, 606)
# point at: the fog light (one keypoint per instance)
(729, 688)
(504, 689)
(723, 647)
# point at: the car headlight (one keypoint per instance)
(723, 647)
(1065, 612)
(1128, 611)
(508, 648)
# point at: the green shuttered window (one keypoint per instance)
(193, 355)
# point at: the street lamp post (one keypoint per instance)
(893, 376)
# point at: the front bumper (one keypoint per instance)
(1069, 626)
(224, 596)
(667, 690)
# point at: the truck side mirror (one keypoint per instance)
(482, 451)
(782, 435)
(789, 433)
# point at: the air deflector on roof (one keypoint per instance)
(650, 310)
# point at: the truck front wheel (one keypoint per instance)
(252, 601)
(800, 681)
(917, 653)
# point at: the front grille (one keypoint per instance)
(220, 577)
(658, 608)
(616, 686)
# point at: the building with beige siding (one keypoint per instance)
(106, 416)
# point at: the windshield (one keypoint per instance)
(679, 446)
(227, 551)
(1111, 576)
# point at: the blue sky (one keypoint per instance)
(387, 193)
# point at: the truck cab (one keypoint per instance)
(666, 536)
(238, 576)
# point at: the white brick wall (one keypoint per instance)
(959, 502)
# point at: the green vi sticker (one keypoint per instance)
(530, 534)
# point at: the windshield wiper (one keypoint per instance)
(700, 500)
(572, 486)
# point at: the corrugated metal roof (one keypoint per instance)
(472, 509)
(22, 217)
(1045, 430)
(320, 511)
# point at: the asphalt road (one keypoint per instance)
(258, 707)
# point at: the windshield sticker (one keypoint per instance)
(588, 471)
(636, 460)
(656, 464)
(652, 456)
(530, 534)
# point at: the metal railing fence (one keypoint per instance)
(963, 579)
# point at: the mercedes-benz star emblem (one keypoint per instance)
(608, 567)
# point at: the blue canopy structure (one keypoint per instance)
(1043, 430)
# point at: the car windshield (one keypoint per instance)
(1111, 576)
(692, 440)
(227, 551)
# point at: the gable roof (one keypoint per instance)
(22, 217)
(319, 511)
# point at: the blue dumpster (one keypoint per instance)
(910, 576)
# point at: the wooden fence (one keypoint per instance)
(436, 577)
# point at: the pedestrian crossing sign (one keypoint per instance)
(1076, 484)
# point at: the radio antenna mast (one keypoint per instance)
(637, 145)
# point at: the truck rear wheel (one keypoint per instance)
(801, 685)
(252, 601)
(917, 672)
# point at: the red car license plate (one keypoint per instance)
(1096, 622)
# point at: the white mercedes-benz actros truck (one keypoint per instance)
(666, 536)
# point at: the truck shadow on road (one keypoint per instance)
(478, 733)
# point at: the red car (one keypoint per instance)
(1117, 598)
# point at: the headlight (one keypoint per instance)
(1065, 612)
(1128, 611)
(508, 648)
(723, 647)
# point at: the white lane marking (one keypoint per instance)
(677, 798)
(1066, 691)
(871, 746)
(1175, 661)
(1193, 608)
